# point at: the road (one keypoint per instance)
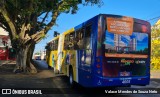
(58, 84)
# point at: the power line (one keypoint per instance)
(153, 18)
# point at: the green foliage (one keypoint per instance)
(40, 14)
(37, 53)
(155, 47)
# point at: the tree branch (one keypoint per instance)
(8, 20)
(37, 36)
(49, 25)
(26, 25)
(44, 18)
(41, 14)
(2, 26)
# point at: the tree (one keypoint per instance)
(155, 46)
(28, 21)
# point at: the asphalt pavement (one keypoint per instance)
(58, 85)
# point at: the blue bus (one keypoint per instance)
(106, 50)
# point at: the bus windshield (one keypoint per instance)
(126, 48)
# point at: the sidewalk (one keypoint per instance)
(155, 74)
(8, 79)
(7, 62)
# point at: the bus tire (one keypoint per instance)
(49, 67)
(71, 81)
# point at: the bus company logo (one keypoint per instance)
(140, 62)
(127, 62)
(6, 91)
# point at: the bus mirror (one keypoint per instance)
(46, 47)
(56, 33)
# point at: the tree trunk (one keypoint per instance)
(30, 67)
(24, 60)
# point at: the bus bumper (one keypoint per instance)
(123, 81)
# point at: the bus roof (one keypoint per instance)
(53, 39)
(83, 23)
(64, 33)
(68, 31)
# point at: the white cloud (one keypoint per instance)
(140, 36)
(108, 39)
(128, 38)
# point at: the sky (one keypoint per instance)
(141, 9)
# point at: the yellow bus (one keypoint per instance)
(51, 52)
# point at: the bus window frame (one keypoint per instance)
(68, 41)
(90, 35)
(56, 41)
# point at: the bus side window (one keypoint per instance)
(50, 46)
(81, 41)
(87, 38)
(71, 40)
(77, 39)
(53, 45)
(56, 44)
(66, 43)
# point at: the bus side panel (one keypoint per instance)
(99, 44)
(96, 52)
(64, 63)
(69, 60)
(73, 63)
(86, 73)
(52, 59)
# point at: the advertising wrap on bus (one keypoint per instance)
(126, 47)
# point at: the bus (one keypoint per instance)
(106, 50)
(51, 53)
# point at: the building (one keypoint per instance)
(118, 43)
(117, 39)
(40, 55)
(43, 55)
(121, 46)
(4, 42)
(133, 45)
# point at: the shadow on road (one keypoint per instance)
(63, 87)
(6, 69)
(50, 83)
(40, 65)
